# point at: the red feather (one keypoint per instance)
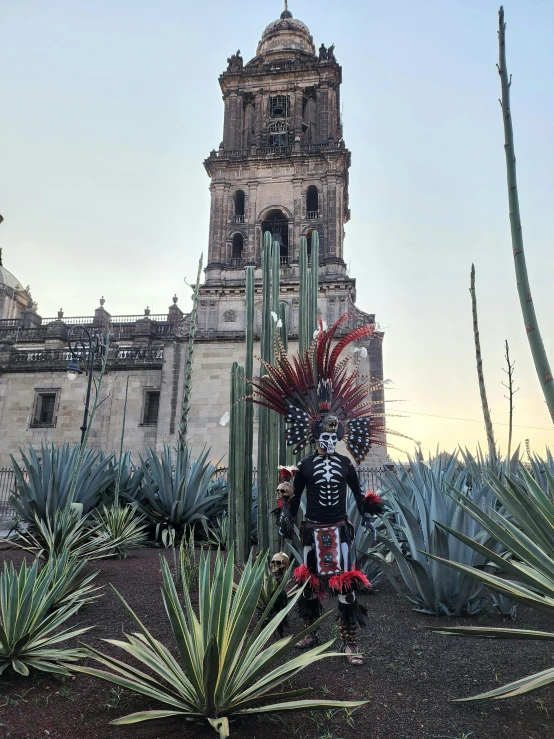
(348, 581)
(302, 574)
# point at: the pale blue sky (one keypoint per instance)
(108, 108)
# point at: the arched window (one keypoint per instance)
(239, 207)
(312, 203)
(276, 222)
(236, 253)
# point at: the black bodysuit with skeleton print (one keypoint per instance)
(325, 478)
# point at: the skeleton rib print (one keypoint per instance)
(328, 476)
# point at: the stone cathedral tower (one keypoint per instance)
(282, 167)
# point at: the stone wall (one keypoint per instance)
(17, 403)
(211, 378)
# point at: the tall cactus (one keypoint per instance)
(314, 284)
(248, 414)
(241, 432)
(303, 302)
(266, 344)
(185, 408)
(527, 307)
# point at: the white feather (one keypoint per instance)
(224, 420)
(363, 352)
(274, 316)
(279, 323)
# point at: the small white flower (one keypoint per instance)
(355, 350)
(316, 333)
(363, 352)
(274, 316)
(324, 325)
(279, 323)
(224, 420)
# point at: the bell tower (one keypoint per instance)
(282, 167)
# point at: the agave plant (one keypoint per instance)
(66, 531)
(364, 544)
(65, 568)
(418, 494)
(43, 484)
(178, 491)
(521, 534)
(227, 668)
(127, 480)
(542, 471)
(120, 527)
(30, 623)
(217, 533)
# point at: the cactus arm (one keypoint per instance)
(303, 340)
(534, 337)
(314, 287)
(243, 549)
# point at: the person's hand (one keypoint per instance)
(367, 524)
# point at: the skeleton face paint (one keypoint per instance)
(327, 442)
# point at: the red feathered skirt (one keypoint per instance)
(328, 560)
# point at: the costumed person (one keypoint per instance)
(324, 403)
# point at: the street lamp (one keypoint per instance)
(84, 348)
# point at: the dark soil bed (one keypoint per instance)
(410, 677)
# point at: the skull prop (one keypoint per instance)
(278, 565)
(328, 441)
(285, 491)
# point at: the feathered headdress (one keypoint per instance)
(316, 390)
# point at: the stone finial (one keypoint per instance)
(60, 314)
(175, 299)
(102, 301)
(147, 311)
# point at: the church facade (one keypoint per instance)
(281, 167)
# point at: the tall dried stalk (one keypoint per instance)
(185, 409)
(510, 396)
(534, 337)
(480, 377)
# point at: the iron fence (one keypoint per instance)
(7, 487)
(368, 476)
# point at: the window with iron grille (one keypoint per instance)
(44, 413)
(279, 106)
(151, 407)
(278, 134)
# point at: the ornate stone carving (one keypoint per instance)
(230, 316)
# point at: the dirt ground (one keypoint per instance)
(410, 677)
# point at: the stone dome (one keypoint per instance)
(286, 34)
(6, 278)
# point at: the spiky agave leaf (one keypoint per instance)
(178, 490)
(417, 492)
(531, 566)
(66, 568)
(30, 623)
(65, 531)
(228, 668)
(43, 484)
(121, 527)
